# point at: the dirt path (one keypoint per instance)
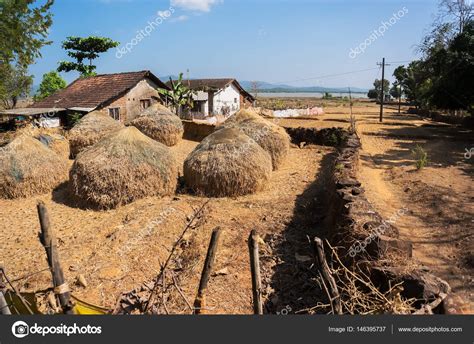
(439, 198)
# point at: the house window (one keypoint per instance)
(145, 103)
(235, 100)
(115, 113)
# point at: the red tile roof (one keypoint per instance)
(94, 91)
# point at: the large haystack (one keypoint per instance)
(227, 163)
(27, 167)
(58, 143)
(123, 167)
(160, 124)
(272, 138)
(91, 129)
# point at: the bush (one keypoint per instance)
(421, 157)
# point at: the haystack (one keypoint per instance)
(27, 168)
(227, 163)
(160, 124)
(58, 143)
(272, 138)
(123, 167)
(90, 130)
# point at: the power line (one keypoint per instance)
(327, 76)
(399, 61)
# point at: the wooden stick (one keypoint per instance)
(323, 267)
(48, 240)
(255, 270)
(20, 297)
(199, 303)
(175, 245)
(4, 310)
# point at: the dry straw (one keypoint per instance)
(227, 163)
(27, 168)
(272, 138)
(90, 130)
(123, 167)
(159, 123)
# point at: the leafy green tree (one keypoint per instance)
(14, 85)
(395, 90)
(83, 50)
(378, 87)
(51, 82)
(179, 96)
(372, 94)
(24, 29)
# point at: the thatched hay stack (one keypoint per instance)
(91, 129)
(58, 143)
(227, 163)
(160, 124)
(121, 168)
(27, 168)
(272, 138)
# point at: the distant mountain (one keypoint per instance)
(279, 88)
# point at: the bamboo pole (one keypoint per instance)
(61, 288)
(255, 271)
(199, 302)
(323, 267)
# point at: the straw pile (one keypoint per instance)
(123, 167)
(272, 138)
(90, 130)
(160, 124)
(227, 163)
(27, 168)
(57, 143)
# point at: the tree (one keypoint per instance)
(82, 49)
(51, 82)
(395, 91)
(179, 96)
(372, 94)
(15, 84)
(461, 11)
(24, 30)
(378, 87)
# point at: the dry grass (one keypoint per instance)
(160, 124)
(27, 167)
(90, 130)
(227, 163)
(272, 138)
(123, 167)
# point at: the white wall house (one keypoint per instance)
(217, 97)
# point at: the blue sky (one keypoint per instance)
(280, 41)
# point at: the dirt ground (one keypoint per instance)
(119, 250)
(439, 197)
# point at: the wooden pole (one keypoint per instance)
(382, 95)
(326, 274)
(61, 288)
(199, 302)
(255, 270)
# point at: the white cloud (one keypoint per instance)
(179, 19)
(195, 5)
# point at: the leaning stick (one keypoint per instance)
(4, 310)
(173, 249)
(255, 270)
(323, 267)
(61, 288)
(199, 302)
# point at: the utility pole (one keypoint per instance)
(382, 95)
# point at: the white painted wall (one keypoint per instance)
(228, 97)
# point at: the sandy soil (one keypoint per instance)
(119, 250)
